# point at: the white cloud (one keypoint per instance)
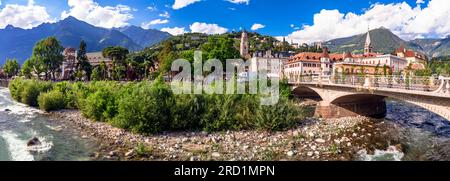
(0, 2)
(165, 15)
(239, 1)
(147, 25)
(257, 26)
(183, 3)
(420, 2)
(152, 8)
(174, 31)
(405, 21)
(103, 16)
(24, 16)
(207, 28)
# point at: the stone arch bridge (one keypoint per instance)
(365, 95)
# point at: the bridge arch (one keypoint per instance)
(344, 101)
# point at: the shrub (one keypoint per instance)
(188, 112)
(15, 88)
(30, 93)
(100, 105)
(53, 100)
(220, 113)
(278, 117)
(145, 109)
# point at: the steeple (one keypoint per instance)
(244, 45)
(368, 44)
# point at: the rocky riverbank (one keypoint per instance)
(314, 139)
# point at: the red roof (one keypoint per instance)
(314, 57)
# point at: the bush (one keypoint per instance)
(100, 105)
(30, 93)
(188, 112)
(53, 100)
(152, 107)
(220, 113)
(16, 88)
(145, 109)
(278, 117)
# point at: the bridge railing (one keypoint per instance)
(418, 83)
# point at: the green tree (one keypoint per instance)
(11, 68)
(27, 69)
(221, 48)
(118, 56)
(47, 56)
(103, 71)
(83, 64)
(95, 76)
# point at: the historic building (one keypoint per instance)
(96, 58)
(309, 63)
(274, 69)
(69, 65)
(415, 59)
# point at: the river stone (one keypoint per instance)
(33, 142)
(129, 153)
(320, 140)
(215, 154)
(7, 110)
(290, 153)
(195, 158)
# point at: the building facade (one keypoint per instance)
(309, 63)
(69, 65)
(96, 58)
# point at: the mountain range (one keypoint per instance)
(18, 43)
(384, 41)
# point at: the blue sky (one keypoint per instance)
(299, 20)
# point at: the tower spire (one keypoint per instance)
(368, 44)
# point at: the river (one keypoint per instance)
(422, 135)
(19, 123)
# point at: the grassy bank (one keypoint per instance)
(148, 108)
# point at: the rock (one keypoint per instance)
(311, 134)
(195, 158)
(349, 144)
(295, 133)
(184, 140)
(215, 154)
(129, 153)
(314, 147)
(290, 153)
(33, 142)
(309, 154)
(337, 141)
(245, 147)
(7, 110)
(112, 153)
(320, 140)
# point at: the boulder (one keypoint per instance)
(34, 142)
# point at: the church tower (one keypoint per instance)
(368, 44)
(244, 45)
(325, 63)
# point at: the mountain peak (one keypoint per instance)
(70, 19)
(9, 27)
